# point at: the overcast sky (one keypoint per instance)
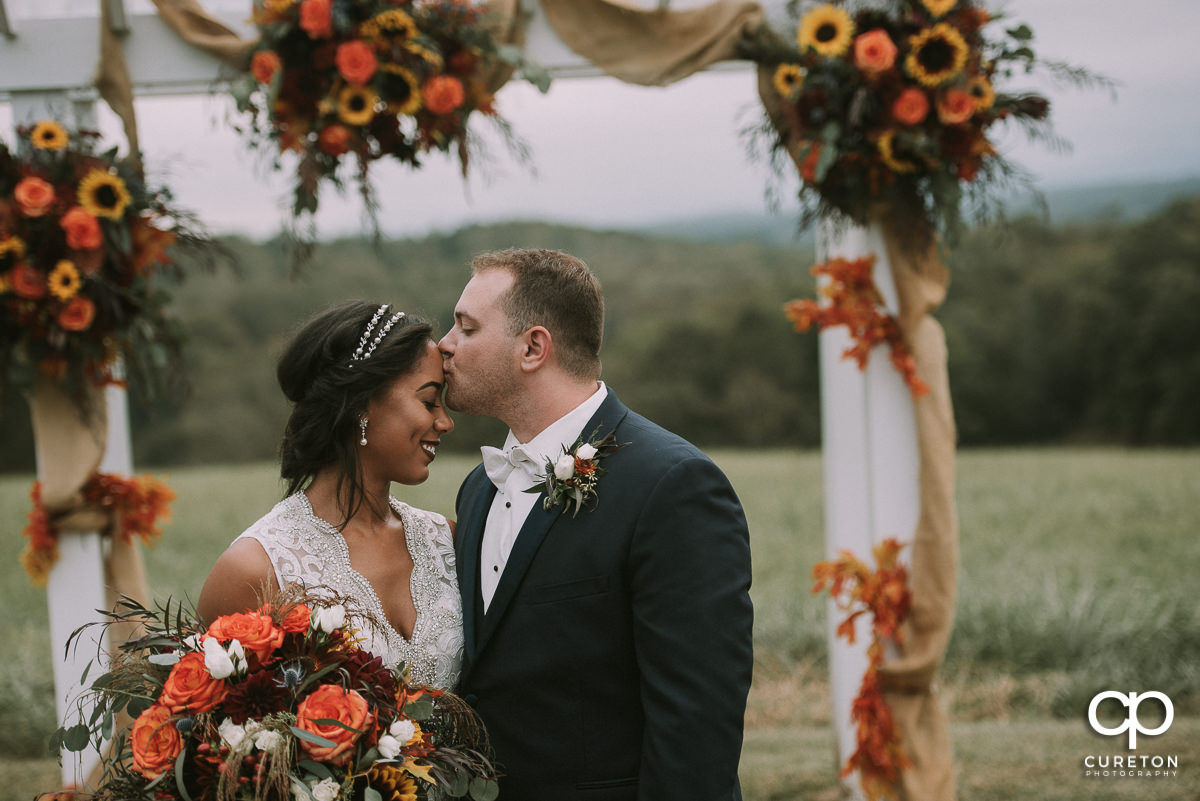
(610, 154)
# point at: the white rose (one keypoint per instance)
(403, 730)
(564, 468)
(267, 739)
(585, 451)
(217, 660)
(388, 746)
(231, 733)
(326, 790)
(329, 618)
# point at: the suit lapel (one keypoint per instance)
(533, 532)
(472, 516)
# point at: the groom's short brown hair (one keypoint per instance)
(557, 291)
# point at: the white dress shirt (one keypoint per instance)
(512, 504)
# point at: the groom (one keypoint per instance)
(608, 647)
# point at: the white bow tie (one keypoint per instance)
(499, 464)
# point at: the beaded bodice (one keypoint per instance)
(306, 550)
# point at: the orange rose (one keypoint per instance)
(442, 94)
(316, 18)
(190, 687)
(910, 107)
(874, 51)
(83, 229)
(264, 64)
(34, 196)
(296, 621)
(334, 139)
(27, 281)
(345, 706)
(955, 106)
(156, 742)
(257, 633)
(77, 315)
(356, 62)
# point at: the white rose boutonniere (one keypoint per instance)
(572, 477)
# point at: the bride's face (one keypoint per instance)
(405, 424)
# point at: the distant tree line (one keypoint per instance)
(1086, 333)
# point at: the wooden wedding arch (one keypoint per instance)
(889, 459)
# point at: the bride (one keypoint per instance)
(365, 384)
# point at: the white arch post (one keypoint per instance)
(871, 465)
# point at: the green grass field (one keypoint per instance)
(1077, 575)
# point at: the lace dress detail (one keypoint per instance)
(306, 550)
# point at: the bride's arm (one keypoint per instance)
(237, 581)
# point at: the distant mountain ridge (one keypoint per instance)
(1123, 202)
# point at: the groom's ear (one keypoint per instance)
(536, 347)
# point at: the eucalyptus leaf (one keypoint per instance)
(484, 789)
(459, 785)
(169, 658)
(419, 709)
(77, 738)
(180, 761)
(309, 737)
(371, 794)
(318, 769)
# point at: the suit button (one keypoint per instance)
(471, 698)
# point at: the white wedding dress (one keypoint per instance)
(306, 550)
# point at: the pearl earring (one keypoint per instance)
(362, 425)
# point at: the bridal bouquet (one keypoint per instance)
(274, 704)
(88, 252)
(894, 104)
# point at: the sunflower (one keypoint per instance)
(64, 281)
(887, 152)
(788, 80)
(936, 55)
(393, 23)
(49, 135)
(103, 194)
(981, 89)
(430, 57)
(827, 29)
(356, 105)
(939, 7)
(393, 782)
(12, 245)
(404, 93)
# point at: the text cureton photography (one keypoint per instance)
(1131, 765)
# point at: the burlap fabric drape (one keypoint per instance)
(909, 681)
(654, 47)
(70, 444)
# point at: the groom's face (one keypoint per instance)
(480, 356)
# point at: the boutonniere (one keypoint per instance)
(572, 478)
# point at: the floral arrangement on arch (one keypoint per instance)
(891, 105)
(884, 595)
(851, 298)
(368, 78)
(138, 505)
(273, 704)
(87, 253)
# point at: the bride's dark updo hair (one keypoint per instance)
(329, 390)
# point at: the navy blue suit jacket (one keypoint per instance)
(615, 658)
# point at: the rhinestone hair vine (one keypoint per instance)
(363, 351)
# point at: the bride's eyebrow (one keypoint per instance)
(430, 384)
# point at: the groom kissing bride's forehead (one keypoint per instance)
(608, 650)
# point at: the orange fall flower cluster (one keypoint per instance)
(853, 300)
(885, 596)
(138, 505)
